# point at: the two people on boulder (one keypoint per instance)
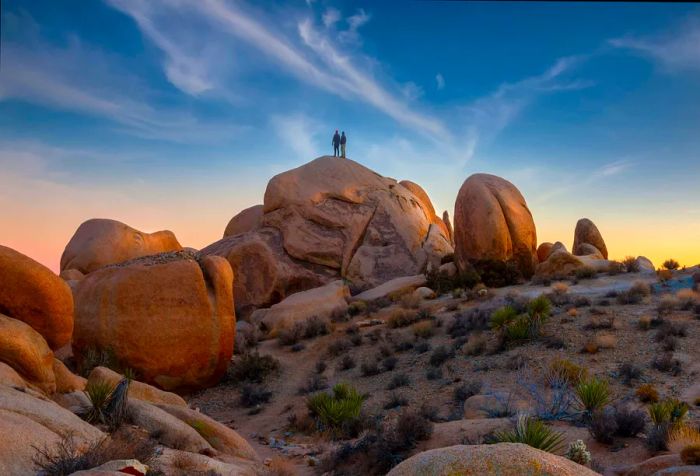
(339, 142)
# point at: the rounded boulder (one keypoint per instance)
(171, 320)
(32, 293)
(247, 220)
(493, 223)
(23, 349)
(587, 232)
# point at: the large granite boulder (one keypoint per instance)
(23, 349)
(170, 318)
(32, 293)
(502, 459)
(332, 218)
(100, 242)
(247, 220)
(493, 223)
(587, 233)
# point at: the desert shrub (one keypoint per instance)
(582, 301)
(410, 301)
(401, 318)
(423, 330)
(315, 326)
(339, 347)
(281, 467)
(578, 453)
(291, 334)
(466, 390)
(395, 400)
(377, 304)
(631, 264)
(586, 273)
(476, 319)
(369, 368)
(560, 288)
(592, 394)
(605, 341)
(671, 264)
(389, 363)
(98, 393)
(666, 305)
(681, 437)
(346, 363)
(668, 328)
(629, 422)
(399, 380)
(253, 395)
(314, 383)
(68, 456)
(440, 355)
(514, 327)
(664, 275)
(645, 322)
(356, 308)
(338, 411)
(412, 427)
(532, 432)
(668, 344)
(442, 282)
(602, 426)
(252, 367)
(657, 437)
(690, 455)
(590, 347)
(386, 351)
(421, 347)
(687, 299)
(320, 367)
(564, 370)
(635, 294)
(97, 357)
(475, 345)
(433, 373)
(666, 362)
(670, 410)
(298, 347)
(496, 273)
(647, 393)
(403, 345)
(629, 372)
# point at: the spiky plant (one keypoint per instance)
(532, 432)
(592, 394)
(115, 409)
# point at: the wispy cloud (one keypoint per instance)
(298, 132)
(354, 22)
(675, 51)
(439, 81)
(330, 17)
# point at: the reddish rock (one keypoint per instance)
(587, 232)
(247, 220)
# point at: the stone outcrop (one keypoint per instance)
(137, 390)
(23, 349)
(587, 232)
(493, 223)
(502, 459)
(645, 265)
(100, 242)
(247, 220)
(323, 302)
(328, 219)
(404, 284)
(561, 263)
(169, 318)
(448, 225)
(32, 293)
(543, 251)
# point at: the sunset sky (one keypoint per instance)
(174, 114)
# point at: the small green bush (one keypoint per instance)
(592, 394)
(98, 392)
(337, 411)
(252, 367)
(670, 410)
(578, 453)
(514, 327)
(532, 432)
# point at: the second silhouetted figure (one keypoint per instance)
(336, 144)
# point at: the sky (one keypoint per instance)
(174, 114)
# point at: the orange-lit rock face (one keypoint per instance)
(543, 251)
(492, 222)
(100, 242)
(587, 233)
(23, 349)
(32, 293)
(247, 220)
(172, 322)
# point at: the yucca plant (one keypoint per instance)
(503, 317)
(115, 409)
(670, 411)
(98, 392)
(532, 432)
(592, 394)
(334, 411)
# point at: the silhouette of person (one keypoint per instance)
(343, 140)
(336, 144)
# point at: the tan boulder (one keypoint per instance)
(247, 220)
(265, 274)
(222, 438)
(66, 381)
(645, 265)
(543, 251)
(32, 293)
(137, 390)
(10, 378)
(493, 223)
(23, 349)
(502, 459)
(560, 263)
(587, 232)
(424, 293)
(323, 302)
(336, 213)
(404, 284)
(587, 249)
(448, 225)
(100, 242)
(71, 275)
(171, 431)
(650, 466)
(458, 431)
(421, 194)
(173, 461)
(169, 319)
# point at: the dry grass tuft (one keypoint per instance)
(560, 288)
(681, 437)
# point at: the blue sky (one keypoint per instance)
(174, 114)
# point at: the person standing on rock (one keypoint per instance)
(336, 144)
(343, 140)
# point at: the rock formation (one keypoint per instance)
(493, 222)
(543, 251)
(587, 233)
(332, 218)
(100, 242)
(247, 220)
(32, 293)
(448, 225)
(170, 318)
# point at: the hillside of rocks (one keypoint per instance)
(344, 326)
